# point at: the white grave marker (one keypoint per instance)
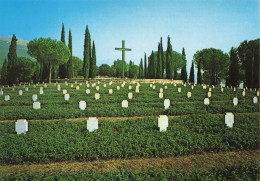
(235, 101)
(97, 96)
(130, 95)
(1, 92)
(160, 95)
(137, 89)
(257, 93)
(105, 85)
(130, 87)
(36, 105)
(7, 98)
(222, 89)
(255, 100)
(26, 89)
(229, 119)
(206, 101)
(34, 97)
(82, 105)
(163, 123)
(118, 87)
(110, 91)
(179, 89)
(243, 93)
(154, 86)
(87, 91)
(92, 124)
(165, 87)
(97, 88)
(21, 126)
(77, 87)
(188, 94)
(66, 97)
(20, 92)
(41, 91)
(125, 103)
(167, 103)
(161, 90)
(209, 94)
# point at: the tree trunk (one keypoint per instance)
(50, 75)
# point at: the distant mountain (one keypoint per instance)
(5, 42)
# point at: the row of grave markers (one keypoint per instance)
(21, 126)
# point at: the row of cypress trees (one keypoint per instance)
(160, 67)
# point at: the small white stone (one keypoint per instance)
(105, 85)
(229, 119)
(26, 89)
(235, 101)
(137, 89)
(118, 87)
(210, 89)
(97, 96)
(209, 94)
(1, 93)
(92, 124)
(243, 93)
(41, 91)
(154, 86)
(130, 87)
(160, 95)
(36, 105)
(82, 105)
(192, 87)
(257, 93)
(97, 88)
(21, 126)
(20, 92)
(206, 101)
(45, 85)
(77, 87)
(161, 90)
(71, 85)
(151, 85)
(58, 87)
(222, 89)
(7, 98)
(188, 94)
(125, 103)
(255, 100)
(34, 97)
(163, 123)
(130, 95)
(110, 91)
(87, 85)
(165, 87)
(87, 91)
(66, 97)
(179, 89)
(167, 103)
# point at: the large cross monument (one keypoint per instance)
(123, 49)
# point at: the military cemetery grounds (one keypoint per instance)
(61, 132)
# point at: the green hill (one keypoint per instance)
(5, 42)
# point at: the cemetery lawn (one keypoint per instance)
(128, 144)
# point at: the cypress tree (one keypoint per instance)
(93, 64)
(159, 63)
(183, 70)
(233, 68)
(153, 67)
(168, 65)
(12, 62)
(162, 59)
(90, 57)
(199, 81)
(4, 73)
(192, 74)
(145, 66)
(86, 59)
(69, 64)
(141, 71)
(63, 67)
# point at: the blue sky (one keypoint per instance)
(192, 24)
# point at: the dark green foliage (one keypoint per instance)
(145, 66)
(169, 60)
(133, 70)
(162, 58)
(104, 70)
(233, 68)
(184, 70)
(37, 72)
(92, 68)
(70, 64)
(152, 67)
(199, 79)
(77, 65)
(25, 69)
(12, 62)
(192, 73)
(141, 71)
(63, 67)
(4, 73)
(159, 63)
(214, 64)
(248, 53)
(117, 65)
(50, 141)
(86, 54)
(49, 52)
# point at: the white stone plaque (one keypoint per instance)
(7, 98)
(188, 94)
(20, 92)
(179, 89)
(137, 89)
(97, 88)
(160, 95)
(154, 86)
(165, 87)
(26, 89)
(21, 126)
(235, 101)
(130, 95)
(222, 89)
(110, 91)
(82, 105)
(257, 93)
(163, 123)
(105, 85)
(58, 87)
(167, 103)
(87, 91)
(97, 96)
(125, 103)
(229, 119)
(161, 90)
(130, 87)
(41, 91)
(64, 91)
(34, 97)
(206, 101)
(243, 93)
(36, 105)
(255, 100)
(66, 97)
(77, 87)
(118, 87)
(209, 94)
(45, 85)
(1, 93)
(92, 124)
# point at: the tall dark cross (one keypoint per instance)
(123, 49)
